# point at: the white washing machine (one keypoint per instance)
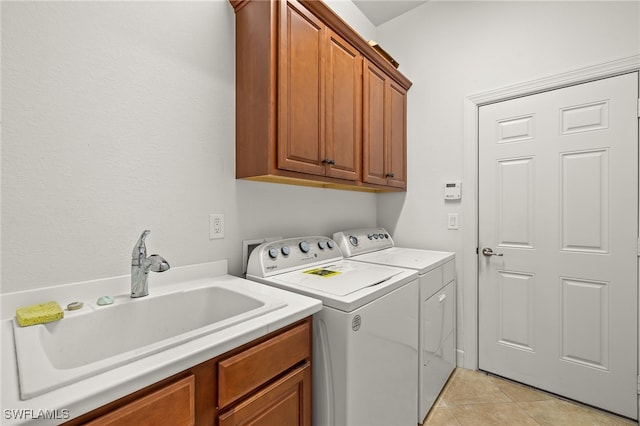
(365, 337)
(436, 272)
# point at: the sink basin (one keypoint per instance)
(99, 338)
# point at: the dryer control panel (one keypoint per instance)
(276, 257)
(362, 240)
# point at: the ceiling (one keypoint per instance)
(381, 11)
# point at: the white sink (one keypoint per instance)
(99, 338)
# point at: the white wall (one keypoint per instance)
(350, 13)
(452, 49)
(119, 117)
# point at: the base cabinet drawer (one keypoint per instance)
(243, 373)
(285, 402)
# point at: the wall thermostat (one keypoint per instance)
(452, 190)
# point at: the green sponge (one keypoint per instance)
(39, 314)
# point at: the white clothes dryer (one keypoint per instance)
(437, 289)
(365, 337)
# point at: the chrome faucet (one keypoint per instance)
(141, 265)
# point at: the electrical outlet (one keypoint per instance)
(216, 226)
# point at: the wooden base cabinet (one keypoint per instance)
(266, 382)
(299, 95)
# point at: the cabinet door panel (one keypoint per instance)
(373, 148)
(397, 151)
(343, 109)
(285, 402)
(173, 404)
(301, 91)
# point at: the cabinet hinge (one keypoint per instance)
(638, 247)
(638, 385)
(638, 107)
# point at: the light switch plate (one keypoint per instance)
(453, 221)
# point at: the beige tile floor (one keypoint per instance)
(478, 399)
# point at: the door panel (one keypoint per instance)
(585, 200)
(558, 204)
(515, 310)
(515, 198)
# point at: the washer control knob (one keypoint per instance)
(353, 240)
(331, 244)
(304, 246)
(370, 236)
(273, 252)
(322, 245)
(285, 250)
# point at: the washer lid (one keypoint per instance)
(340, 278)
(420, 260)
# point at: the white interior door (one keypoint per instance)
(558, 206)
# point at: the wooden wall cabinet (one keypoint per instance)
(265, 382)
(385, 124)
(299, 96)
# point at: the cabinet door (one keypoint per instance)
(343, 109)
(301, 90)
(396, 164)
(385, 129)
(374, 126)
(173, 404)
(285, 402)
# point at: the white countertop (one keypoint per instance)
(75, 399)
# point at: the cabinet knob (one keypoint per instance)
(328, 161)
(389, 175)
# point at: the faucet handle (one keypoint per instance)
(158, 263)
(140, 248)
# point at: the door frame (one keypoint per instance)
(468, 356)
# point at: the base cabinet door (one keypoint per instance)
(285, 402)
(173, 404)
